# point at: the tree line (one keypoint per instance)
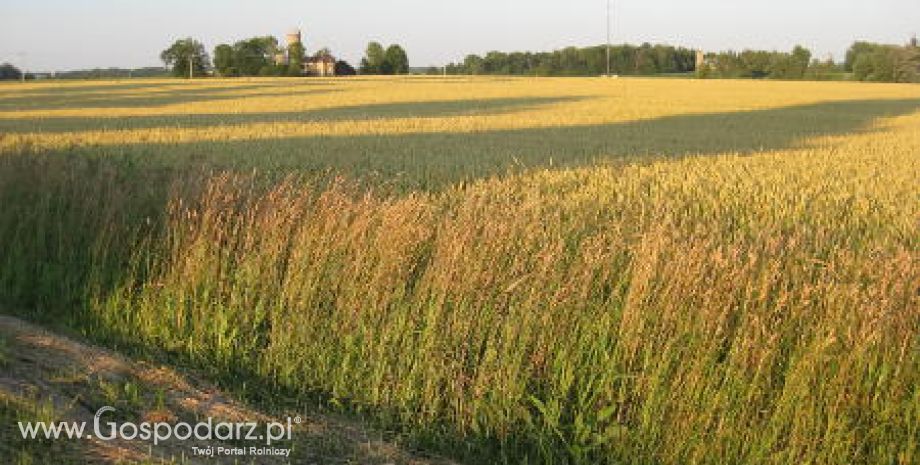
(884, 63)
(864, 62)
(9, 72)
(757, 64)
(645, 59)
(392, 60)
(257, 56)
(589, 61)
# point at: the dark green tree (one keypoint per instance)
(473, 64)
(589, 61)
(878, 65)
(645, 60)
(756, 64)
(272, 69)
(798, 62)
(186, 53)
(343, 68)
(885, 63)
(223, 60)
(374, 58)
(295, 54)
(907, 64)
(856, 50)
(397, 61)
(256, 56)
(9, 72)
(862, 67)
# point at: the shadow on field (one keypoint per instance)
(433, 160)
(78, 87)
(67, 98)
(75, 224)
(141, 85)
(438, 108)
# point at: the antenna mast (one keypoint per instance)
(608, 38)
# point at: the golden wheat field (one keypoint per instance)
(500, 270)
(172, 112)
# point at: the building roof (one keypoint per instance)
(321, 59)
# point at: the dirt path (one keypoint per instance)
(45, 376)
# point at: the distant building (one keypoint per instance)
(322, 64)
(700, 59)
(293, 37)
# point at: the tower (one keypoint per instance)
(700, 59)
(293, 37)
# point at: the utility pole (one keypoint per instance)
(608, 38)
(191, 66)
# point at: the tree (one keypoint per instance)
(756, 64)
(473, 64)
(589, 61)
(823, 70)
(9, 72)
(884, 63)
(255, 56)
(185, 53)
(374, 58)
(855, 51)
(342, 68)
(223, 60)
(645, 63)
(906, 64)
(888, 63)
(296, 54)
(396, 60)
(272, 69)
(798, 63)
(862, 67)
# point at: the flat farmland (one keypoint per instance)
(501, 270)
(432, 132)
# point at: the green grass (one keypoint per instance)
(16, 450)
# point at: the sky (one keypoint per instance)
(48, 35)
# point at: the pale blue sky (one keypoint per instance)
(68, 34)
